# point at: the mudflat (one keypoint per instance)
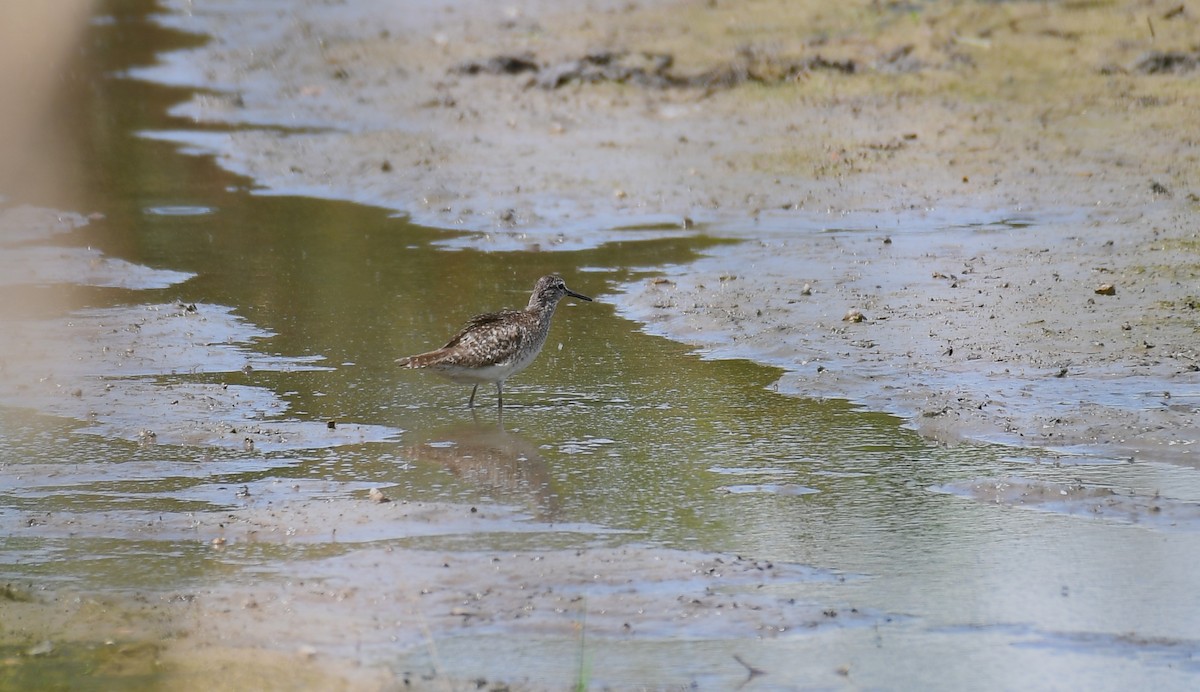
(977, 216)
(1005, 194)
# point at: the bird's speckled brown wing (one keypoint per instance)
(489, 339)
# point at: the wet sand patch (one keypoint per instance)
(978, 330)
(1081, 499)
(1169, 652)
(355, 597)
(129, 371)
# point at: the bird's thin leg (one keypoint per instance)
(499, 394)
(471, 403)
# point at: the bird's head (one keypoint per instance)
(550, 289)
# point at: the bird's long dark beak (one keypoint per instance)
(573, 294)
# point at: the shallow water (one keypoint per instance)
(233, 351)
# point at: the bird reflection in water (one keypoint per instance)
(489, 457)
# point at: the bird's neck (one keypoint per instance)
(540, 309)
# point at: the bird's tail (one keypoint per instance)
(421, 360)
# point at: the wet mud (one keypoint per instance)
(980, 330)
(112, 368)
(1082, 499)
(359, 587)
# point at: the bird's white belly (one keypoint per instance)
(488, 373)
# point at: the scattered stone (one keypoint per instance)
(1106, 290)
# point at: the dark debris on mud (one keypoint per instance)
(1159, 62)
(1169, 62)
(655, 70)
(750, 64)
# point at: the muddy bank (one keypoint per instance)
(120, 369)
(1079, 337)
(1081, 500)
(965, 176)
(369, 604)
(548, 125)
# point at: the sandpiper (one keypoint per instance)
(497, 345)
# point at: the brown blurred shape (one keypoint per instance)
(36, 40)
